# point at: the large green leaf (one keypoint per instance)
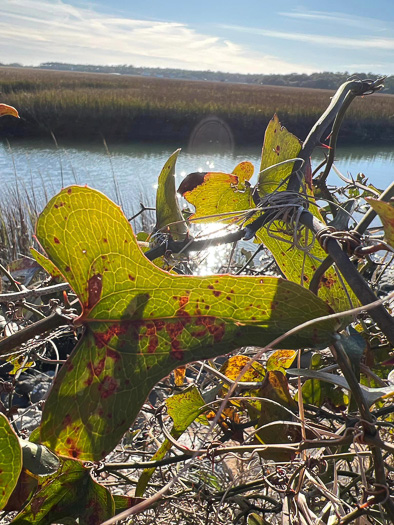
(10, 460)
(167, 207)
(142, 322)
(69, 494)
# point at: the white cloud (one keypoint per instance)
(34, 31)
(362, 22)
(324, 40)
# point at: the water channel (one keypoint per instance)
(44, 168)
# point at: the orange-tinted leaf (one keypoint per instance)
(8, 110)
(275, 388)
(179, 375)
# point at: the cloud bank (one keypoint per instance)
(35, 31)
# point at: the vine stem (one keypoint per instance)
(368, 423)
(356, 282)
(54, 320)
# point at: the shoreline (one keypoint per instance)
(75, 106)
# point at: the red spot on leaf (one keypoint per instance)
(102, 338)
(69, 191)
(95, 287)
(217, 293)
(111, 354)
(105, 240)
(67, 269)
(108, 387)
(277, 149)
(73, 450)
(67, 420)
(56, 240)
(176, 351)
(131, 278)
(153, 344)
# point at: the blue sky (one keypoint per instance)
(248, 36)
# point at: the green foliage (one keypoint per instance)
(141, 322)
(68, 494)
(183, 408)
(10, 460)
(167, 207)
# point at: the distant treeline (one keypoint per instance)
(323, 80)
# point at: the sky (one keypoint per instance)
(248, 36)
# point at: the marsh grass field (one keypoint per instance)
(75, 105)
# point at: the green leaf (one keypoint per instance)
(279, 145)
(48, 265)
(371, 394)
(183, 408)
(69, 494)
(214, 194)
(167, 206)
(142, 322)
(385, 210)
(10, 460)
(256, 519)
(38, 459)
(124, 502)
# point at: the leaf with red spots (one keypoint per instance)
(183, 408)
(385, 210)
(10, 460)
(168, 212)
(279, 145)
(142, 322)
(69, 493)
(213, 194)
(26, 486)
